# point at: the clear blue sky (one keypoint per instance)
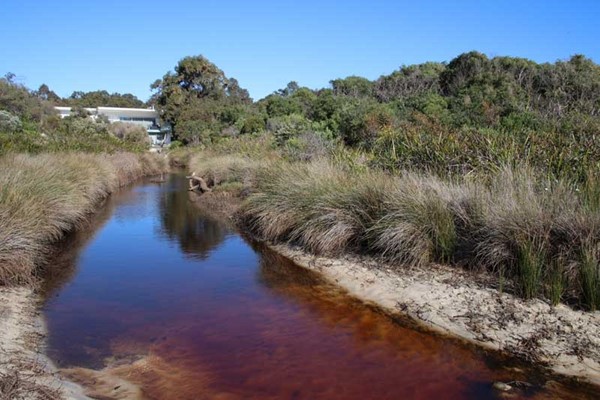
(123, 46)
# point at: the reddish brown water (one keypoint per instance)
(211, 316)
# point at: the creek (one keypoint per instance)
(202, 312)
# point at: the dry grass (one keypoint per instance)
(540, 235)
(223, 169)
(316, 205)
(44, 196)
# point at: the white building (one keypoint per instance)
(146, 117)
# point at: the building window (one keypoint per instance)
(137, 119)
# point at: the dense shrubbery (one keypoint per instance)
(130, 133)
(473, 114)
(481, 163)
(484, 163)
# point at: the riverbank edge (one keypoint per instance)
(455, 303)
(23, 364)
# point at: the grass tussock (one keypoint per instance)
(225, 169)
(317, 205)
(420, 221)
(44, 196)
(540, 236)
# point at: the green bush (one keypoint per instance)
(9, 123)
(175, 144)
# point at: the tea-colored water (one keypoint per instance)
(217, 317)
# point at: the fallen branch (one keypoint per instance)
(198, 184)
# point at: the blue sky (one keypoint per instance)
(123, 46)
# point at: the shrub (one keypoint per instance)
(131, 133)
(307, 146)
(253, 124)
(175, 144)
(9, 123)
(287, 127)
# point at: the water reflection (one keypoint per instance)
(197, 234)
(62, 265)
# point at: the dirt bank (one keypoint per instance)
(462, 305)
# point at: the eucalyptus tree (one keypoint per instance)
(195, 96)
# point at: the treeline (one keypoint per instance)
(470, 114)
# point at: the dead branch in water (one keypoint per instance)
(198, 184)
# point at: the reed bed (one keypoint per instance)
(42, 197)
(539, 236)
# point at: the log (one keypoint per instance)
(198, 184)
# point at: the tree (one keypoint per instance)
(408, 81)
(18, 100)
(196, 91)
(352, 86)
(44, 93)
(289, 90)
(101, 98)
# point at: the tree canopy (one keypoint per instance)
(100, 98)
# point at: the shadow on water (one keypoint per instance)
(210, 315)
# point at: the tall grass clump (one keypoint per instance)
(217, 170)
(531, 259)
(316, 205)
(421, 220)
(590, 277)
(44, 196)
(532, 231)
(511, 212)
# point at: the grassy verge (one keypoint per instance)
(539, 236)
(44, 196)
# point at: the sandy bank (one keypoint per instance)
(453, 302)
(26, 373)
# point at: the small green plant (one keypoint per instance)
(175, 144)
(555, 280)
(531, 258)
(590, 278)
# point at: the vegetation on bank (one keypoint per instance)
(538, 236)
(43, 197)
(55, 172)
